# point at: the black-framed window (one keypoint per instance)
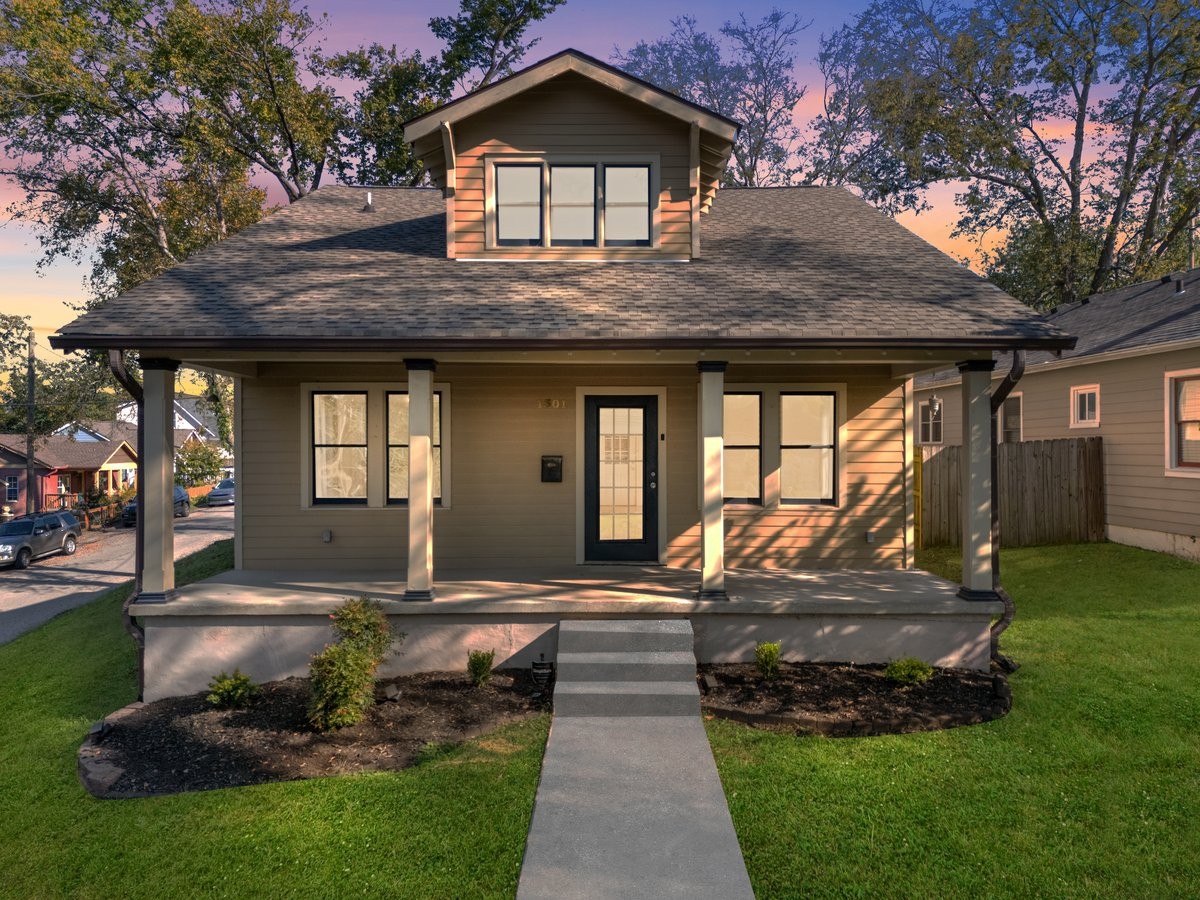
(339, 447)
(808, 447)
(12, 488)
(398, 446)
(572, 206)
(1185, 400)
(929, 413)
(519, 205)
(743, 447)
(626, 206)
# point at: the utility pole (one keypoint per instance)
(31, 489)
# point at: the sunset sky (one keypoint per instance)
(593, 27)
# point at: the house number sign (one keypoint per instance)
(551, 403)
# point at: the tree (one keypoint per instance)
(746, 76)
(486, 39)
(197, 463)
(1074, 125)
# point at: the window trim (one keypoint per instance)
(1002, 424)
(1172, 468)
(376, 392)
(923, 405)
(1076, 390)
(746, 501)
(836, 493)
(597, 160)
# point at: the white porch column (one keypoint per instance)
(977, 480)
(420, 479)
(157, 473)
(712, 462)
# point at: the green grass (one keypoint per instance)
(453, 826)
(1090, 787)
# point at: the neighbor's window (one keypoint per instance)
(572, 206)
(929, 414)
(12, 488)
(519, 205)
(808, 447)
(627, 206)
(1010, 420)
(1085, 406)
(397, 447)
(64, 484)
(743, 448)
(1185, 419)
(339, 447)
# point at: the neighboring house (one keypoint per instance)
(574, 380)
(100, 430)
(1134, 380)
(67, 470)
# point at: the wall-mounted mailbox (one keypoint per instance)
(551, 468)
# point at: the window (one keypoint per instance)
(1085, 406)
(743, 448)
(1183, 422)
(929, 414)
(64, 484)
(1010, 420)
(807, 446)
(12, 488)
(397, 446)
(571, 204)
(355, 444)
(339, 446)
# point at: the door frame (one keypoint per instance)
(580, 475)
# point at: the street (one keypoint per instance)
(57, 583)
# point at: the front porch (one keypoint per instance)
(269, 623)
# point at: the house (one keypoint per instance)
(1133, 379)
(67, 470)
(574, 379)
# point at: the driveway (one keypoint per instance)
(29, 597)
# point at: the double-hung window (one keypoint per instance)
(808, 447)
(339, 447)
(398, 446)
(743, 448)
(1010, 420)
(929, 413)
(1085, 406)
(12, 488)
(1183, 422)
(571, 204)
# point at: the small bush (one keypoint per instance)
(343, 674)
(766, 656)
(231, 691)
(909, 670)
(479, 665)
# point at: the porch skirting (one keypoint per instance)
(269, 624)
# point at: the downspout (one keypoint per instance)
(1000, 625)
(116, 362)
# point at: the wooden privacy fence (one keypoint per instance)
(1050, 492)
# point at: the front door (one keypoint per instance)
(621, 479)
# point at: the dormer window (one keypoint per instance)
(570, 203)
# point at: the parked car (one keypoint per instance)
(222, 494)
(26, 538)
(183, 507)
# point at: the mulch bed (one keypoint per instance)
(183, 744)
(840, 700)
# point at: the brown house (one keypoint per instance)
(1134, 380)
(572, 380)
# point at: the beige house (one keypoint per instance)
(1133, 379)
(572, 380)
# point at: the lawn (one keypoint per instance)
(452, 827)
(1089, 788)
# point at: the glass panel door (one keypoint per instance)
(621, 478)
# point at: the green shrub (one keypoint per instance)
(766, 656)
(231, 691)
(909, 670)
(342, 676)
(479, 664)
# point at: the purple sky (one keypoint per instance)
(593, 27)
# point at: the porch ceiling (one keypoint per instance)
(578, 590)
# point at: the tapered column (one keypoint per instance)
(712, 462)
(977, 445)
(156, 469)
(420, 479)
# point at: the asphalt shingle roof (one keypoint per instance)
(780, 265)
(61, 452)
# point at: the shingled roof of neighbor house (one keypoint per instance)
(61, 452)
(795, 267)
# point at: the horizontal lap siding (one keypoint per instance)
(502, 515)
(571, 115)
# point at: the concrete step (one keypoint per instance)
(639, 635)
(651, 665)
(626, 698)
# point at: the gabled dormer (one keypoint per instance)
(573, 159)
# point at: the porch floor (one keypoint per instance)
(577, 590)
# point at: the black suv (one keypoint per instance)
(25, 538)
(183, 508)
